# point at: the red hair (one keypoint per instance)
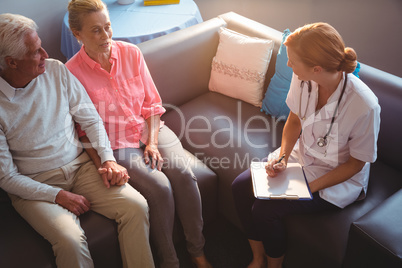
(319, 44)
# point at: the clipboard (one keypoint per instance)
(290, 184)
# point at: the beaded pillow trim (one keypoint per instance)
(234, 71)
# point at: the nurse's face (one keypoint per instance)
(302, 71)
(96, 33)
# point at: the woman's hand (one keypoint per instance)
(152, 156)
(113, 174)
(276, 165)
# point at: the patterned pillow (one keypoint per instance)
(240, 65)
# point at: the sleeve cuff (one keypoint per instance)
(53, 192)
(154, 110)
(107, 156)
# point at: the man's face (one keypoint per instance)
(32, 63)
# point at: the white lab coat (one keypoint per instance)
(354, 132)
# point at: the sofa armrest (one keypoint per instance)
(375, 238)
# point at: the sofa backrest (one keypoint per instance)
(180, 62)
(388, 89)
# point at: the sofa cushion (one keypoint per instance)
(226, 134)
(274, 102)
(327, 233)
(375, 238)
(240, 65)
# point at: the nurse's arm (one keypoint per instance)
(290, 135)
(338, 175)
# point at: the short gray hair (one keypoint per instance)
(13, 29)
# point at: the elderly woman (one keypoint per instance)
(118, 82)
(331, 130)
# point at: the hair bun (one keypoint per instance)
(348, 63)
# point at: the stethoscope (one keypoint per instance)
(322, 141)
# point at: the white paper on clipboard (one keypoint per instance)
(289, 184)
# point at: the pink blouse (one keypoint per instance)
(125, 97)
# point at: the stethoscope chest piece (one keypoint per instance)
(321, 142)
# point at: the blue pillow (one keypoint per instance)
(274, 102)
(357, 70)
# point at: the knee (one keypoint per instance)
(137, 206)
(134, 208)
(236, 186)
(162, 192)
(265, 211)
(155, 188)
(242, 185)
(70, 240)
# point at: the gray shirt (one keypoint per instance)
(37, 130)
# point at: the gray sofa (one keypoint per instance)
(365, 234)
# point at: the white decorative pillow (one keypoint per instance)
(240, 65)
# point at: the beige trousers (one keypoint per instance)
(62, 228)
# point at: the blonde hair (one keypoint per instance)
(79, 8)
(319, 44)
(13, 29)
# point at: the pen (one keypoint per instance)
(280, 159)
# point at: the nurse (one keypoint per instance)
(331, 131)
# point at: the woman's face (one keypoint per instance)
(302, 71)
(96, 32)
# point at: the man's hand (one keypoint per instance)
(152, 154)
(77, 204)
(113, 174)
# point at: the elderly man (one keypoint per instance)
(47, 174)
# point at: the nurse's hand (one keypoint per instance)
(274, 166)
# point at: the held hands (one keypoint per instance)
(113, 174)
(152, 155)
(276, 165)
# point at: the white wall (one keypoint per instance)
(372, 27)
(48, 15)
